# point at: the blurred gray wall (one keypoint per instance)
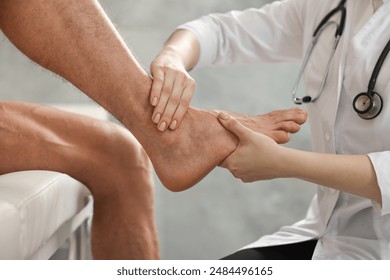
(220, 214)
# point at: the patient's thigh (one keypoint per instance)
(33, 136)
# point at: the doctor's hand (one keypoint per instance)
(257, 156)
(172, 90)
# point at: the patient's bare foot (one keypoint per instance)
(183, 157)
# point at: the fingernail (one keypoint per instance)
(224, 116)
(162, 126)
(154, 101)
(156, 118)
(173, 125)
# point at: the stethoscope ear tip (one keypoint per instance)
(306, 99)
(297, 101)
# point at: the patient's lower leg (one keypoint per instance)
(104, 156)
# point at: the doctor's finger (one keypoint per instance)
(234, 126)
(183, 106)
(157, 84)
(171, 107)
(166, 92)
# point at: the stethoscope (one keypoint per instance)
(367, 104)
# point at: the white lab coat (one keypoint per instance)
(347, 226)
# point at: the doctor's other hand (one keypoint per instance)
(172, 90)
(257, 156)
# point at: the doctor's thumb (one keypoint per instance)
(233, 125)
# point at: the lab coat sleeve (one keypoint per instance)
(273, 33)
(381, 163)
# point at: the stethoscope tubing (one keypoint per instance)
(324, 23)
(340, 8)
(378, 67)
(309, 51)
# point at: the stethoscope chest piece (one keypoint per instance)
(368, 106)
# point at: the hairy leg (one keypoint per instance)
(76, 40)
(103, 156)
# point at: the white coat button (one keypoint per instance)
(327, 136)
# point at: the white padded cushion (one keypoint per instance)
(33, 207)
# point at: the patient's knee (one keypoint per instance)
(122, 147)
